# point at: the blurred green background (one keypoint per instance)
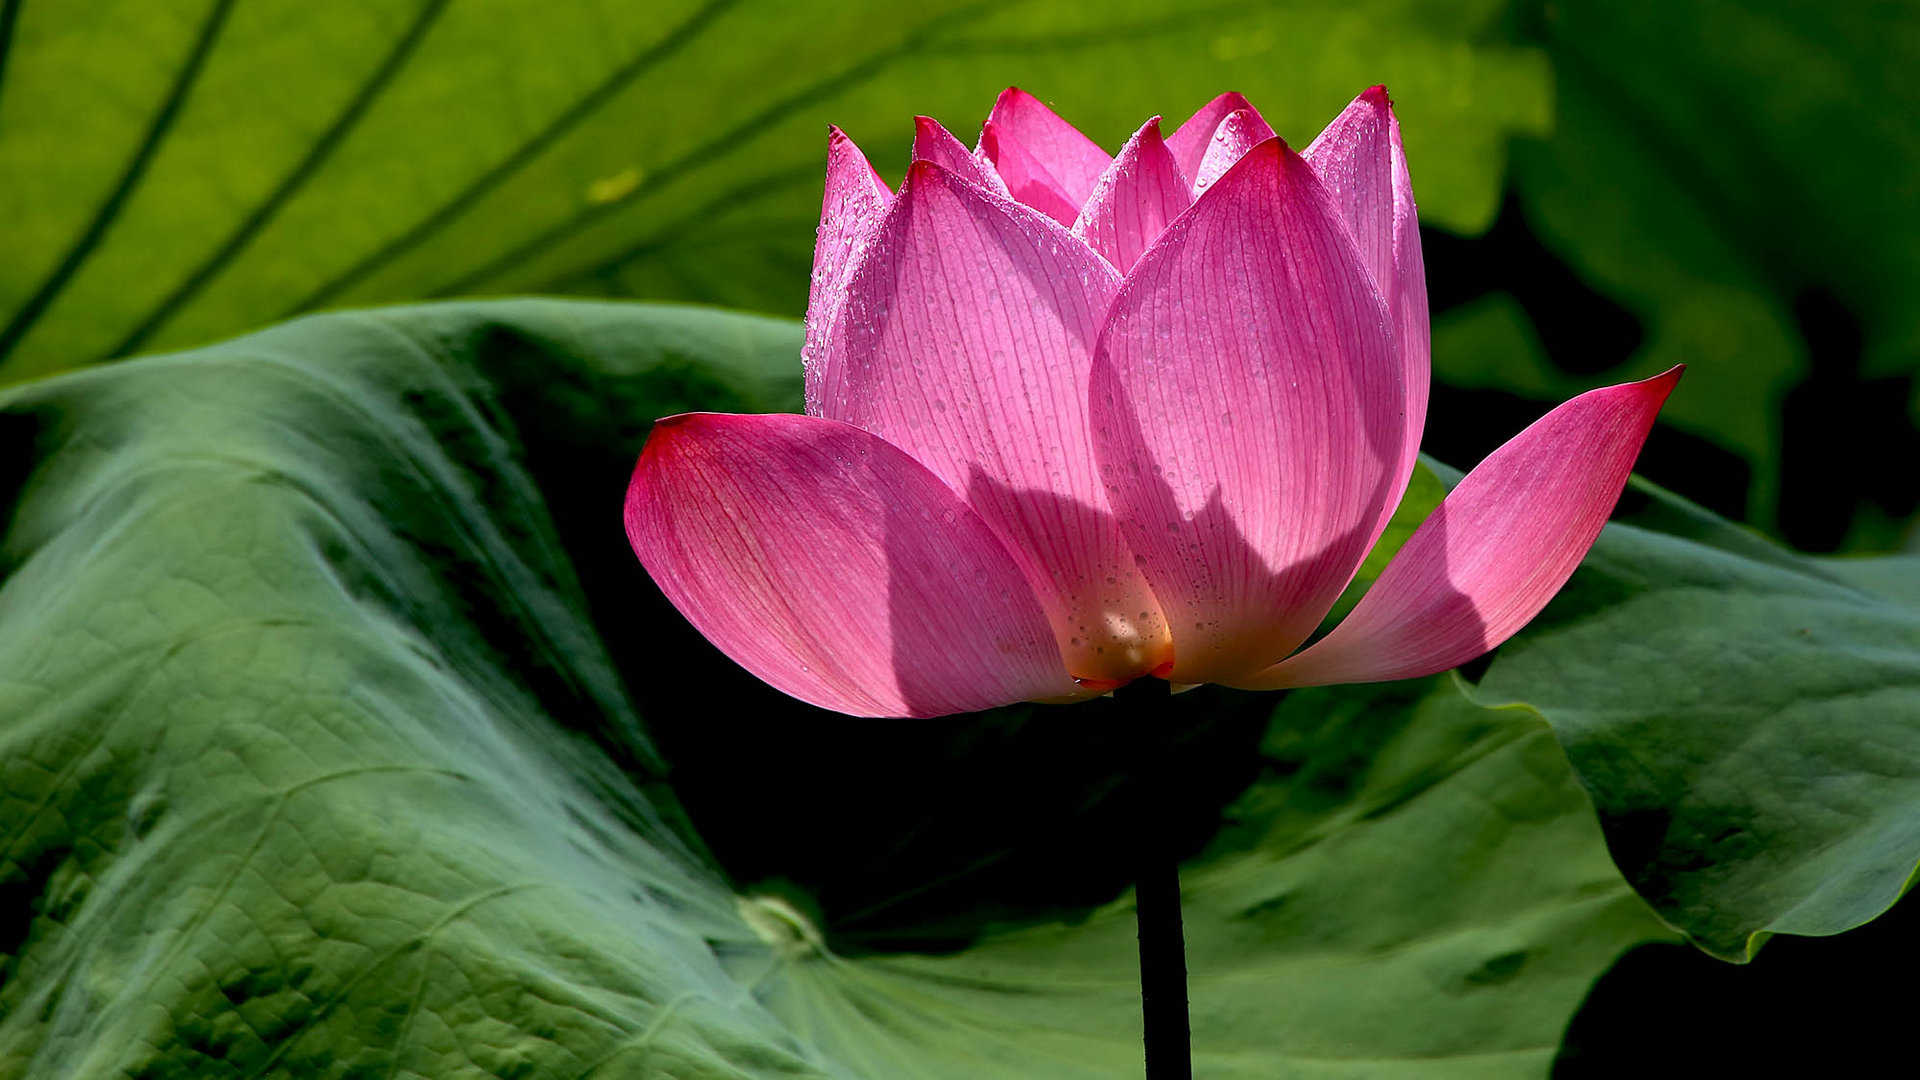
(1607, 188)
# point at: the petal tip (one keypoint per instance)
(921, 172)
(1377, 95)
(1275, 150)
(1661, 385)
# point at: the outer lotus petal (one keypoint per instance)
(850, 212)
(1246, 415)
(836, 568)
(1025, 177)
(966, 339)
(1189, 142)
(1238, 133)
(1074, 161)
(934, 143)
(1139, 194)
(1360, 159)
(1495, 551)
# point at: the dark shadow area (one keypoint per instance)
(1583, 332)
(1803, 1007)
(1846, 440)
(20, 443)
(24, 899)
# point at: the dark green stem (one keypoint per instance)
(1163, 956)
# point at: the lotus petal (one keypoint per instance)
(1361, 161)
(836, 568)
(1189, 142)
(1238, 133)
(932, 142)
(1246, 414)
(850, 212)
(1133, 202)
(1069, 159)
(1494, 551)
(966, 341)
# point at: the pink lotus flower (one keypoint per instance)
(1074, 419)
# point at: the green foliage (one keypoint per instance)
(320, 762)
(1714, 164)
(197, 169)
(1744, 717)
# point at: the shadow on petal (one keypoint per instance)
(1109, 624)
(1231, 611)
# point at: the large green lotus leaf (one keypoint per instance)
(341, 736)
(181, 171)
(1747, 719)
(1712, 165)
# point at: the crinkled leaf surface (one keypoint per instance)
(1747, 719)
(198, 168)
(343, 737)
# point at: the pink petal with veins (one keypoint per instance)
(1190, 140)
(850, 210)
(934, 143)
(836, 568)
(1246, 414)
(1073, 161)
(1238, 133)
(1133, 202)
(1360, 160)
(966, 341)
(1025, 177)
(1496, 549)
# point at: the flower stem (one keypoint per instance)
(1163, 958)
